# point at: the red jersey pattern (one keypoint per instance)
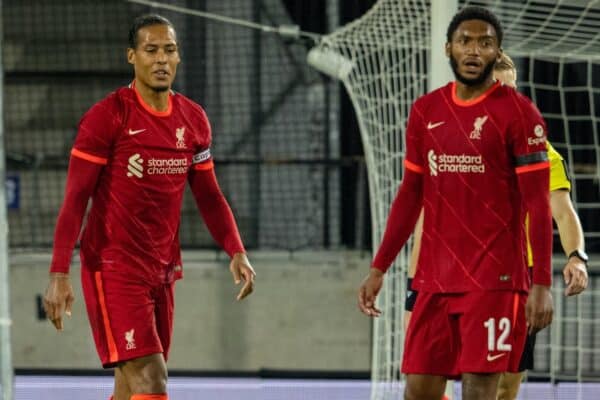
(470, 154)
(134, 219)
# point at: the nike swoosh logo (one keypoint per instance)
(132, 132)
(491, 358)
(432, 125)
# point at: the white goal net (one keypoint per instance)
(383, 59)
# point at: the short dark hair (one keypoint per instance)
(480, 13)
(143, 21)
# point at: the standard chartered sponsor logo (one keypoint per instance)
(454, 163)
(167, 166)
(433, 167)
(156, 166)
(135, 167)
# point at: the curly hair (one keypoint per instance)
(480, 13)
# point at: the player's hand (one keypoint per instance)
(368, 291)
(539, 309)
(58, 298)
(242, 271)
(576, 276)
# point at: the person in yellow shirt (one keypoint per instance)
(569, 229)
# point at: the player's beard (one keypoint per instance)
(485, 74)
(161, 88)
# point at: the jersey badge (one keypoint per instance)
(130, 340)
(179, 134)
(477, 127)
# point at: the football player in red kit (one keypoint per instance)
(476, 162)
(133, 154)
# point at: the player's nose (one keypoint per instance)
(161, 56)
(473, 49)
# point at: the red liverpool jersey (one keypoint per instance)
(473, 235)
(134, 219)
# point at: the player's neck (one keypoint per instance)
(471, 92)
(157, 100)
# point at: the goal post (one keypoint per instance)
(6, 367)
(385, 53)
(441, 14)
(387, 58)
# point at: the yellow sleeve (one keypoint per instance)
(559, 178)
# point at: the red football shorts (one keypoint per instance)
(476, 332)
(129, 317)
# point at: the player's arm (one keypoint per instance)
(82, 177)
(572, 240)
(411, 294)
(527, 138)
(404, 211)
(569, 227)
(403, 216)
(533, 183)
(93, 145)
(416, 248)
(221, 224)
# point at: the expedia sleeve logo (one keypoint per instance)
(540, 137)
(201, 157)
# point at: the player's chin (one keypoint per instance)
(471, 78)
(471, 74)
(161, 86)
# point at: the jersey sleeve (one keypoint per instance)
(559, 176)
(406, 207)
(528, 143)
(527, 136)
(414, 136)
(202, 159)
(98, 130)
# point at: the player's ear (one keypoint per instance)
(178, 56)
(500, 53)
(131, 56)
(448, 48)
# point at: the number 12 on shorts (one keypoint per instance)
(498, 342)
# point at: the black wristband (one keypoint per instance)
(579, 254)
(411, 295)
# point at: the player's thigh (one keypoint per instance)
(122, 316)
(432, 341)
(508, 385)
(424, 387)
(492, 331)
(145, 375)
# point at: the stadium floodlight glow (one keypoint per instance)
(329, 62)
